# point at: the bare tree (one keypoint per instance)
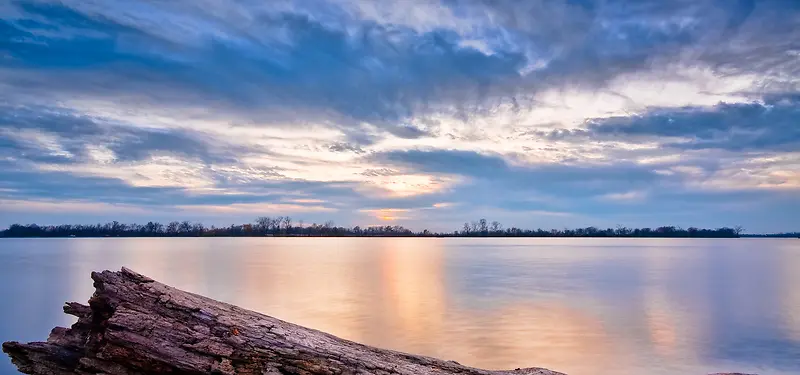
(263, 223)
(172, 227)
(287, 223)
(198, 228)
(185, 227)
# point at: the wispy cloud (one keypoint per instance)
(425, 112)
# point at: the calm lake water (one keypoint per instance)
(580, 306)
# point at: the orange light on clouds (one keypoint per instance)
(411, 184)
(387, 214)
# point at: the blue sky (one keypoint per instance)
(422, 113)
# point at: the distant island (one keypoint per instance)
(284, 226)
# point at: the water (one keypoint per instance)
(581, 306)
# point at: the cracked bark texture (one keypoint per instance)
(135, 325)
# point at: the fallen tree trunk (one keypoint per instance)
(134, 325)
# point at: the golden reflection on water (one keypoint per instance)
(661, 326)
(415, 298)
(321, 293)
(410, 295)
(526, 334)
(791, 289)
(393, 295)
(662, 318)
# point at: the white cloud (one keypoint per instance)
(629, 196)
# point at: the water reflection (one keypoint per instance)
(631, 306)
(791, 302)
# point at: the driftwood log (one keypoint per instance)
(135, 325)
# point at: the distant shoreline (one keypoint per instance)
(384, 236)
(283, 226)
(494, 237)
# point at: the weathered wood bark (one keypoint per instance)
(134, 325)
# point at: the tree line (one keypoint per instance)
(262, 226)
(495, 229)
(286, 226)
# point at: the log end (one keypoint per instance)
(42, 358)
(77, 309)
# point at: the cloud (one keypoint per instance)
(594, 112)
(545, 178)
(20, 181)
(325, 60)
(626, 196)
(771, 125)
(387, 214)
(345, 147)
(59, 135)
(372, 73)
(74, 206)
(254, 208)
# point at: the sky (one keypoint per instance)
(421, 113)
